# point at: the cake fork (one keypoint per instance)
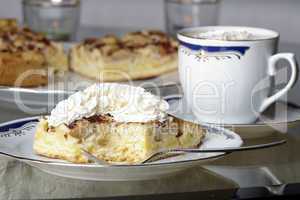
(163, 153)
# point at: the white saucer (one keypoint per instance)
(284, 117)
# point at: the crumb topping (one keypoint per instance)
(16, 39)
(110, 45)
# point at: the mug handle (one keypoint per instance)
(290, 57)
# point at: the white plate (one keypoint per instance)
(16, 138)
(60, 87)
(285, 117)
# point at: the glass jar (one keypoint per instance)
(190, 13)
(57, 19)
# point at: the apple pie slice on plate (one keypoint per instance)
(136, 55)
(116, 123)
(119, 124)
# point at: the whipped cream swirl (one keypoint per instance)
(123, 102)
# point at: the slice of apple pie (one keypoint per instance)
(116, 123)
(136, 55)
(26, 56)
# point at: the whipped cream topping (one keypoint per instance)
(226, 35)
(123, 102)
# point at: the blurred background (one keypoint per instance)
(119, 16)
(98, 17)
(280, 15)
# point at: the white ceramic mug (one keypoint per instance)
(227, 82)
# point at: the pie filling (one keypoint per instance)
(114, 142)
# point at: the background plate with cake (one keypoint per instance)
(145, 58)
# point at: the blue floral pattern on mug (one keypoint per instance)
(205, 53)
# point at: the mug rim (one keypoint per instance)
(184, 33)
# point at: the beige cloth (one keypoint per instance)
(21, 181)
